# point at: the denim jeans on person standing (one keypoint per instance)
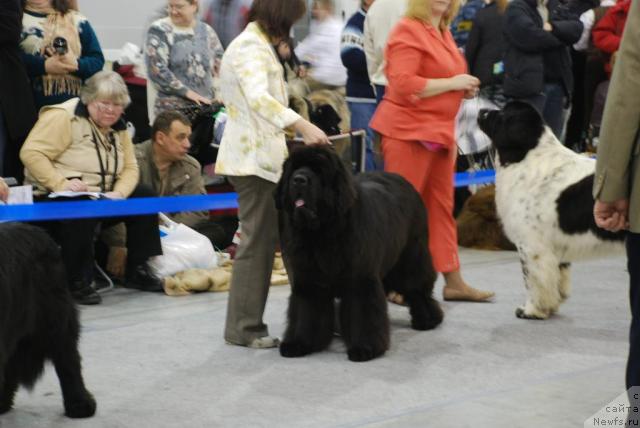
(361, 114)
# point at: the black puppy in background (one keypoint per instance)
(38, 319)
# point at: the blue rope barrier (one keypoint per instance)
(463, 179)
(116, 208)
(41, 211)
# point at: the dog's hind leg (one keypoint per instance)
(564, 287)
(364, 320)
(63, 351)
(414, 277)
(310, 323)
(541, 277)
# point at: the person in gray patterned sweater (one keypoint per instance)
(182, 56)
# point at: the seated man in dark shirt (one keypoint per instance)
(166, 167)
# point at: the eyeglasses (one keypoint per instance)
(107, 106)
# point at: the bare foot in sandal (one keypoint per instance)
(456, 289)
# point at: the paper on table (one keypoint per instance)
(71, 194)
(20, 195)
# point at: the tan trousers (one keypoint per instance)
(253, 263)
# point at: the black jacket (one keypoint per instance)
(486, 45)
(16, 99)
(535, 56)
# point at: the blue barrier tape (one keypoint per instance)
(463, 179)
(106, 208)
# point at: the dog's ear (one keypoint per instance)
(280, 194)
(522, 120)
(342, 189)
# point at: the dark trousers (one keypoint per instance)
(380, 89)
(633, 363)
(76, 239)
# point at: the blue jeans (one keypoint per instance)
(361, 114)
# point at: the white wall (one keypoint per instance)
(119, 21)
(346, 8)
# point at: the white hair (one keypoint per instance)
(105, 85)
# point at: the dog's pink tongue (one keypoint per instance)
(299, 203)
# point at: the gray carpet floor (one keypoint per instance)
(158, 361)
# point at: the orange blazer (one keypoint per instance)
(415, 53)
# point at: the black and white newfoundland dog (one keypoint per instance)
(38, 319)
(544, 200)
(350, 240)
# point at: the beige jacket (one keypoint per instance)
(382, 16)
(253, 90)
(618, 165)
(61, 146)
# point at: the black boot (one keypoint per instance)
(142, 278)
(84, 294)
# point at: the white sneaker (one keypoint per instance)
(264, 342)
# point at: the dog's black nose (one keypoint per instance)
(300, 180)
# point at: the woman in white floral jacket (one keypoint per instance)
(251, 154)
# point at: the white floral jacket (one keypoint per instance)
(253, 90)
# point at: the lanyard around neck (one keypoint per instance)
(104, 168)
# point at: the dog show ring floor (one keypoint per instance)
(157, 361)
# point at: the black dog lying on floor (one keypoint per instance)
(38, 319)
(352, 239)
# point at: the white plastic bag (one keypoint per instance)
(182, 248)
(469, 137)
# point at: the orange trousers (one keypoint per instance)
(431, 174)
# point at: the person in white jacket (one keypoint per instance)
(251, 154)
(382, 16)
(320, 50)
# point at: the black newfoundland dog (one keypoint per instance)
(351, 239)
(38, 319)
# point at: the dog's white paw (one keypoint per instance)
(522, 313)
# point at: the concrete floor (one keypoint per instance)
(157, 361)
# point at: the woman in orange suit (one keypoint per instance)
(427, 81)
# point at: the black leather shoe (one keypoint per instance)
(86, 295)
(142, 278)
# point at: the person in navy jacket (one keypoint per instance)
(361, 97)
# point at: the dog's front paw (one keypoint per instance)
(522, 314)
(83, 406)
(363, 353)
(294, 349)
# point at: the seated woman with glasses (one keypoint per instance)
(182, 55)
(82, 145)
